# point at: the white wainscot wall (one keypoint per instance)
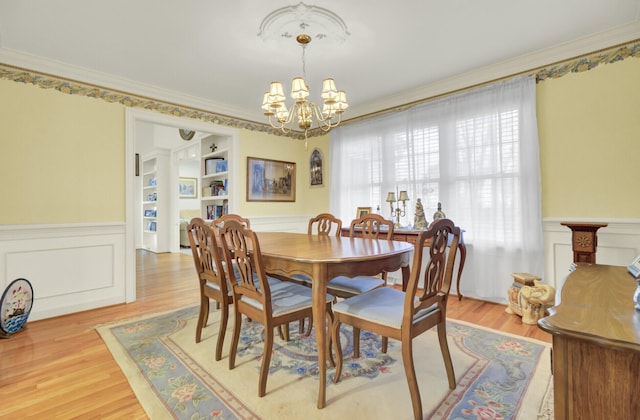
(290, 223)
(618, 244)
(71, 267)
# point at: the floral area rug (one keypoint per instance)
(498, 376)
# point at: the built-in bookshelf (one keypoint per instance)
(214, 180)
(155, 202)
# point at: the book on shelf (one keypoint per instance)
(218, 187)
(221, 166)
(214, 165)
(215, 211)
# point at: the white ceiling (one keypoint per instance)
(207, 53)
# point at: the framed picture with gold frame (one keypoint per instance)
(270, 180)
(188, 187)
(362, 211)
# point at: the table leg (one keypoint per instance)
(406, 270)
(463, 256)
(319, 291)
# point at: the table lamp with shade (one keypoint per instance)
(398, 212)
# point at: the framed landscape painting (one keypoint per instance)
(188, 187)
(270, 180)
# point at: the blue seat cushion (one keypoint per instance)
(384, 306)
(287, 297)
(352, 285)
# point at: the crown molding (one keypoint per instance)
(46, 73)
(111, 82)
(49, 74)
(528, 63)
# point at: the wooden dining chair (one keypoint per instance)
(270, 303)
(404, 315)
(325, 224)
(220, 221)
(368, 226)
(211, 278)
(217, 224)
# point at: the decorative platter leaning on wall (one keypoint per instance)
(15, 307)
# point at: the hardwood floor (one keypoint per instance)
(60, 367)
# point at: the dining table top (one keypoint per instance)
(313, 248)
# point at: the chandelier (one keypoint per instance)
(303, 113)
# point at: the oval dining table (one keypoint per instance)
(324, 257)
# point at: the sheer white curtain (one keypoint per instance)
(476, 153)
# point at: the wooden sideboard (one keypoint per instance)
(411, 236)
(596, 345)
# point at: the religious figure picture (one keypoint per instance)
(315, 168)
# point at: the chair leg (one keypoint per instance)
(202, 316)
(266, 360)
(385, 344)
(206, 313)
(224, 318)
(356, 342)
(301, 329)
(309, 327)
(330, 322)
(444, 348)
(335, 337)
(280, 332)
(407, 360)
(237, 322)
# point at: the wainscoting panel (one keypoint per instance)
(290, 223)
(71, 267)
(618, 244)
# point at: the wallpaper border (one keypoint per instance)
(72, 87)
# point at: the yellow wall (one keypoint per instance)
(308, 200)
(62, 156)
(589, 129)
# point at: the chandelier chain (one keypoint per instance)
(304, 62)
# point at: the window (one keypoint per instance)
(466, 151)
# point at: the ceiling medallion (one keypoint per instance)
(290, 21)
